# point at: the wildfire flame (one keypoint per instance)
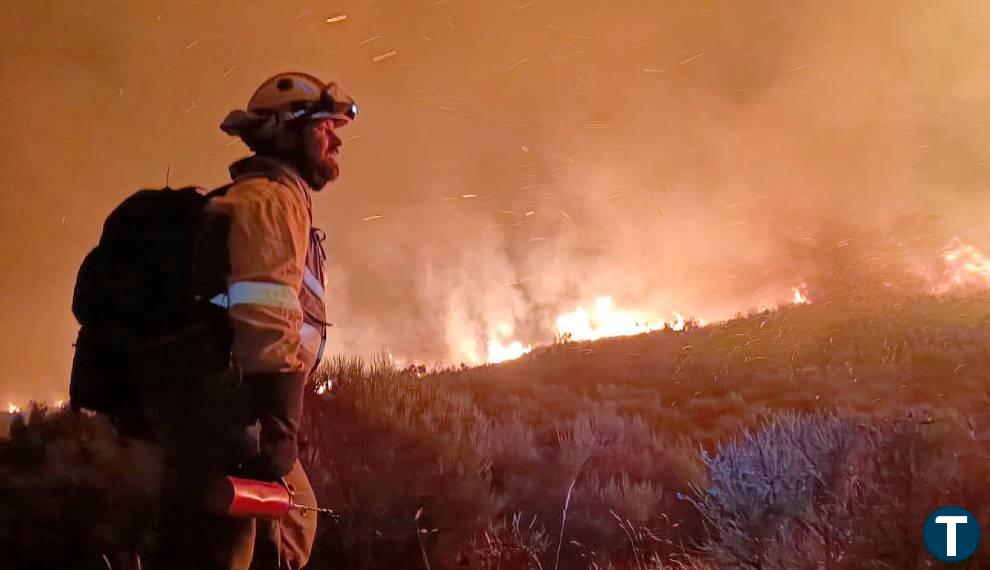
(498, 352)
(600, 320)
(13, 409)
(603, 321)
(965, 266)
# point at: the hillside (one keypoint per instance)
(922, 354)
(623, 418)
(773, 440)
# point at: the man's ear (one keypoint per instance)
(290, 139)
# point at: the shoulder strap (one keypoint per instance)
(287, 178)
(219, 191)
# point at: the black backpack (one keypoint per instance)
(141, 306)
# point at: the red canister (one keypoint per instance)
(260, 499)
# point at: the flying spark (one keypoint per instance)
(692, 58)
(517, 64)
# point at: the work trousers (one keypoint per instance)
(205, 431)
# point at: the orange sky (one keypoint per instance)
(675, 154)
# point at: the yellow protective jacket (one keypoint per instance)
(275, 295)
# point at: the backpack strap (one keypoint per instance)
(222, 190)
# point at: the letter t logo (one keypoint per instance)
(950, 523)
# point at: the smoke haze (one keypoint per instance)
(512, 159)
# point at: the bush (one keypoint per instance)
(515, 544)
(432, 467)
(72, 491)
(820, 491)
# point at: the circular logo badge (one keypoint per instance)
(952, 534)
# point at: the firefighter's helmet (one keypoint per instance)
(288, 97)
(302, 95)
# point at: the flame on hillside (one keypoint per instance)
(964, 266)
(498, 352)
(602, 319)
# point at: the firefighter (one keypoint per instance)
(245, 420)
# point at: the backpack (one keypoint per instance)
(140, 305)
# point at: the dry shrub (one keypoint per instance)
(427, 467)
(818, 490)
(72, 490)
(384, 443)
(515, 543)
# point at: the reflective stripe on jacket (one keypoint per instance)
(275, 285)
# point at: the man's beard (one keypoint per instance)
(317, 173)
(322, 173)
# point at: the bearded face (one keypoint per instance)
(319, 149)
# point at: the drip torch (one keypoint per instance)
(249, 498)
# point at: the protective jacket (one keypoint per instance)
(274, 295)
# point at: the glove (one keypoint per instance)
(259, 468)
(277, 402)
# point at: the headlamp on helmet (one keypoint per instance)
(290, 97)
(301, 96)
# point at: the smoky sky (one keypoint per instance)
(512, 158)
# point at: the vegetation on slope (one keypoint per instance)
(774, 440)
